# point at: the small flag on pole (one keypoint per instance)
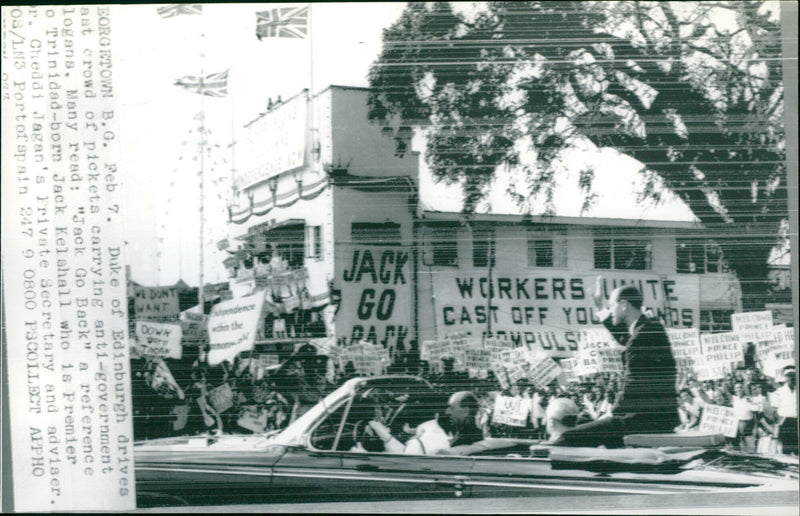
(168, 11)
(214, 85)
(282, 22)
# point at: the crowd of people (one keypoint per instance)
(651, 396)
(182, 405)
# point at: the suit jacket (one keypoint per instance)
(650, 375)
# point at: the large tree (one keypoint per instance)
(693, 90)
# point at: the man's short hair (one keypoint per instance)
(632, 295)
(469, 400)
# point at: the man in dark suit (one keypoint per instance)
(648, 401)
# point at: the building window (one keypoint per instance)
(314, 242)
(715, 321)
(695, 256)
(622, 254)
(444, 246)
(547, 247)
(483, 248)
(375, 233)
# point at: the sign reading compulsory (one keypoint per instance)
(546, 310)
(232, 327)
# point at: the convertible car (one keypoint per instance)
(323, 456)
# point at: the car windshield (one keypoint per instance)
(393, 403)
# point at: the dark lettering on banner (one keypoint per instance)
(376, 297)
(545, 310)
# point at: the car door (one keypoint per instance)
(385, 476)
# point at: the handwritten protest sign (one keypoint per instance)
(777, 353)
(544, 372)
(253, 418)
(685, 345)
(221, 398)
(752, 326)
(194, 326)
(232, 327)
(500, 375)
(367, 358)
(598, 353)
(511, 411)
(159, 339)
(710, 370)
(719, 420)
(155, 303)
(722, 348)
(570, 368)
(477, 362)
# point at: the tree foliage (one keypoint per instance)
(693, 90)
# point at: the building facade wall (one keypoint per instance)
(545, 306)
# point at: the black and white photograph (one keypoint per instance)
(400, 257)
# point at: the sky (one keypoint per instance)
(161, 137)
(160, 144)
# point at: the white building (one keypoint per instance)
(362, 259)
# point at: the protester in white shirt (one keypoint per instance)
(742, 408)
(786, 406)
(689, 411)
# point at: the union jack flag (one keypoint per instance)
(214, 85)
(282, 22)
(168, 11)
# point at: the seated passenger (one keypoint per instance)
(450, 433)
(561, 415)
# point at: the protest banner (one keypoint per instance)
(232, 327)
(155, 303)
(722, 348)
(194, 326)
(253, 418)
(685, 344)
(705, 370)
(159, 339)
(160, 378)
(477, 362)
(376, 281)
(544, 372)
(752, 326)
(500, 375)
(598, 353)
(221, 398)
(367, 358)
(569, 366)
(545, 311)
(719, 420)
(778, 352)
(511, 411)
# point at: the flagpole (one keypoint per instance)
(200, 300)
(310, 50)
(314, 130)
